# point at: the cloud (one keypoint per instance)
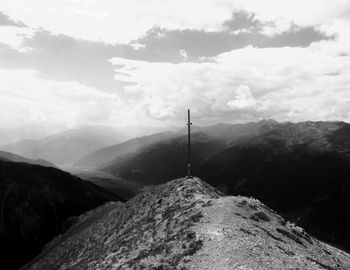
(184, 54)
(303, 13)
(120, 21)
(26, 100)
(33, 107)
(242, 30)
(7, 21)
(13, 33)
(243, 99)
(245, 84)
(159, 108)
(243, 20)
(13, 37)
(116, 21)
(63, 58)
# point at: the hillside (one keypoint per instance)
(187, 224)
(35, 204)
(154, 163)
(108, 154)
(16, 158)
(301, 170)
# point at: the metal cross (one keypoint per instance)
(189, 145)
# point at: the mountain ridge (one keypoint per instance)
(107, 154)
(16, 158)
(68, 146)
(187, 224)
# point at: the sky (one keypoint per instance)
(67, 63)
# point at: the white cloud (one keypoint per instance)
(184, 54)
(243, 99)
(115, 21)
(26, 99)
(248, 84)
(301, 12)
(159, 108)
(13, 36)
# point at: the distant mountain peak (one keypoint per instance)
(187, 224)
(16, 158)
(268, 121)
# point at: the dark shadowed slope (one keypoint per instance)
(68, 146)
(106, 155)
(167, 159)
(35, 204)
(302, 170)
(187, 224)
(16, 158)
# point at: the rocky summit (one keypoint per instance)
(187, 224)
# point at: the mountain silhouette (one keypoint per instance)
(35, 205)
(106, 156)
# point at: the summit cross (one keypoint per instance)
(189, 144)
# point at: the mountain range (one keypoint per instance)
(109, 155)
(65, 148)
(300, 169)
(68, 146)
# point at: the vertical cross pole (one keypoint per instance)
(189, 144)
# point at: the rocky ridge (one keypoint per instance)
(187, 224)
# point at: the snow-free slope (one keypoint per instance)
(187, 224)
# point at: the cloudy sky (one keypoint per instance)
(65, 63)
